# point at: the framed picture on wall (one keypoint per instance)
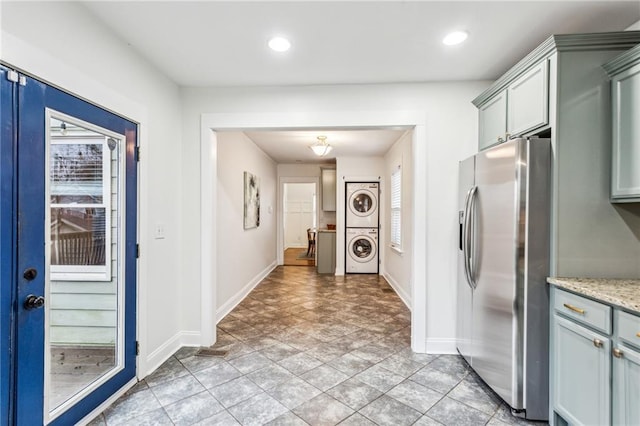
(251, 201)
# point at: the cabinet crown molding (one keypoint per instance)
(621, 40)
(623, 62)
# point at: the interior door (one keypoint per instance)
(70, 183)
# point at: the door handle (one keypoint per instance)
(470, 241)
(465, 237)
(30, 274)
(33, 302)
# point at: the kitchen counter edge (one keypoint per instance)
(623, 293)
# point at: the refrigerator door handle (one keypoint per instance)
(469, 237)
(465, 218)
(465, 237)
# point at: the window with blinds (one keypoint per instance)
(80, 206)
(396, 207)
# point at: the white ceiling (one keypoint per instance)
(293, 146)
(224, 43)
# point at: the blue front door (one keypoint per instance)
(68, 253)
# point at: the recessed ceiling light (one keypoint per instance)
(455, 37)
(279, 44)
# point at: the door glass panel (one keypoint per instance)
(362, 203)
(362, 248)
(84, 286)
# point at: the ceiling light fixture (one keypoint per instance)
(455, 37)
(279, 44)
(321, 148)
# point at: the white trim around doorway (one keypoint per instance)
(213, 122)
(282, 180)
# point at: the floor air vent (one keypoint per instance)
(211, 352)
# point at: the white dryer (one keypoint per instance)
(362, 204)
(362, 251)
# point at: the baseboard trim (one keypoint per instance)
(230, 305)
(168, 348)
(441, 346)
(406, 299)
(162, 353)
(190, 338)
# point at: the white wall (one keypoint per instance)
(62, 43)
(244, 255)
(397, 265)
(354, 169)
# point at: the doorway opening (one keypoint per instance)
(300, 213)
(213, 123)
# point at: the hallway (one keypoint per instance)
(304, 348)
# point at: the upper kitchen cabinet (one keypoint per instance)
(516, 110)
(519, 103)
(560, 91)
(625, 106)
(493, 120)
(329, 190)
(528, 100)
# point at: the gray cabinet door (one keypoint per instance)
(326, 252)
(493, 121)
(581, 378)
(626, 386)
(329, 190)
(528, 101)
(625, 173)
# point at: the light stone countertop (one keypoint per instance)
(624, 293)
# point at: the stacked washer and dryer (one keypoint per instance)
(362, 223)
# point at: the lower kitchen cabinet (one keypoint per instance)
(626, 370)
(326, 252)
(595, 362)
(581, 375)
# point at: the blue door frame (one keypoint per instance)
(8, 139)
(22, 221)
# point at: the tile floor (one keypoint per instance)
(312, 349)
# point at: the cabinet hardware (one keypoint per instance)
(500, 139)
(618, 353)
(638, 334)
(574, 309)
(597, 343)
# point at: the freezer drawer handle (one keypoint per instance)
(597, 343)
(574, 309)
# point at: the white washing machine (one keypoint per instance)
(362, 251)
(362, 204)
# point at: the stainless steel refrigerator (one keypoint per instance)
(503, 262)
